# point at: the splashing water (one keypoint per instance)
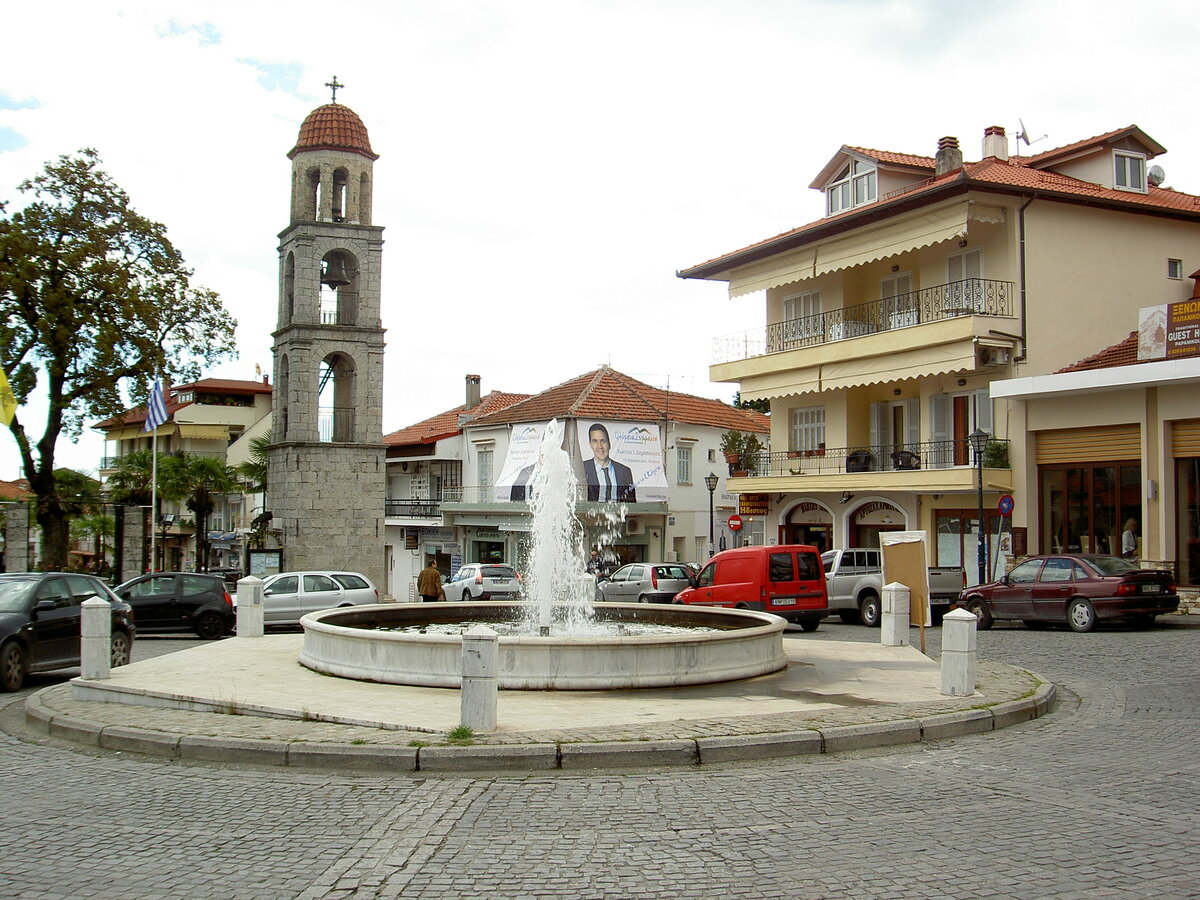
(556, 581)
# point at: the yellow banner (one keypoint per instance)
(8, 403)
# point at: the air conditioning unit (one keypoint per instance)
(994, 356)
(633, 526)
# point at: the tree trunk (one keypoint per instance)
(55, 537)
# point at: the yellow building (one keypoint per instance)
(888, 320)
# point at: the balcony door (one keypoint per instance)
(952, 419)
(895, 427)
(898, 301)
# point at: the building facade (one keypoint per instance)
(887, 321)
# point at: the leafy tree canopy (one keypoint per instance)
(92, 296)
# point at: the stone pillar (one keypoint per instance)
(133, 547)
(894, 623)
(958, 653)
(16, 538)
(250, 607)
(479, 686)
(95, 656)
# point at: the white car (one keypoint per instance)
(289, 595)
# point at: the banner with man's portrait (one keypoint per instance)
(622, 461)
(523, 446)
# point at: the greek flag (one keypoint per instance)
(156, 407)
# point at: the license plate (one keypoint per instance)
(1152, 588)
(499, 581)
(783, 601)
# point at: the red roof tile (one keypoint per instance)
(223, 385)
(15, 490)
(608, 394)
(1123, 353)
(445, 424)
(334, 127)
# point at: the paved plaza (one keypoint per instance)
(1096, 799)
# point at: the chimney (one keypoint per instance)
(949, 157)
(994, 142)
(472, 391)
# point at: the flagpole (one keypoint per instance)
(154, 502)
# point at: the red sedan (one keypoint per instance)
(1078, 590)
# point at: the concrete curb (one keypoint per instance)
(531, 757)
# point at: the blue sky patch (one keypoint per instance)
(277, 76)
(208, 32)
(11, 140)
(7, 102)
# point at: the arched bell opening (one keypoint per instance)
(341, 195)
(283, 379)
(335, 399)
(339, 288)
(289, 289)
(310, 208)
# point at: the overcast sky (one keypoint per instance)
(547, 165)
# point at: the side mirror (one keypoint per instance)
(44, 606)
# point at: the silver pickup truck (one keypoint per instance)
(853, 578)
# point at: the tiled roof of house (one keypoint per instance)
(15, 490)
(1025, 174)
(334, 127)
(445, 424)
(137, 415)
(608, 394)
(1122, 353)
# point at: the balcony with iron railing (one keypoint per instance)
(335, 424)
(958, 299)
(412, 509)
(467, 497)
(947, 454)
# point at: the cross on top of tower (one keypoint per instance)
(334, 85)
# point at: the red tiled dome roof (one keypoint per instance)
(334, 127)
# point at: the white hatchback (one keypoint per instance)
(289, 595)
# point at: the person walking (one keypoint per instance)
(429, 583)
(1129, 539)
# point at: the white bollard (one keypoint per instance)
(250, 607)
(479, 685)
(958, 653)
(893, 624)
(95, 653)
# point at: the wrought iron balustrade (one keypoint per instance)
(969, 297)
(946, 454)
(412, 509)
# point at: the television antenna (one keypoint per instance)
(1023, 135)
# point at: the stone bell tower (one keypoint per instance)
(326, 477)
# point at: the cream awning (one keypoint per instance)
(863, 245)
(939, 359)
(204, 432)
(780, 384)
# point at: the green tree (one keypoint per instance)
(254, 470)
(762, 404)
(132, 479)
(197, 480)
(93, 296)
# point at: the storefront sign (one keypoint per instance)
(412, 539)
(754, 504)
(1169, 331)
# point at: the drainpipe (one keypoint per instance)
(1021, 275)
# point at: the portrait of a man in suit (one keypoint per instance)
(607, 479)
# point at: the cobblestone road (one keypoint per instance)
(1096, 800)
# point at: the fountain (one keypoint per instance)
(557, 639)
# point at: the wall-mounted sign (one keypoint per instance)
(412, 540)
(1169, 331)
(754, 504)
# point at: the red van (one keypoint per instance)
(786, 580)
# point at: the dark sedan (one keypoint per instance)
(1077, 590)
(40, 623)
(180, 601)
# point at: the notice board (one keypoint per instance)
(904, 561)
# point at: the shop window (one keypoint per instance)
(1085, 507)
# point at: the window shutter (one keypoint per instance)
(939, 428)
(880, 421)
(912, 423)
(983, 410)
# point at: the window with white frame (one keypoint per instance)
(1129, 171)
(485, 469)
(854, 186)
(683, 464)
(808, 428)
(801, 316)
(1175, 269)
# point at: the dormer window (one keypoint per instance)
(1130, 171)
(853, 186)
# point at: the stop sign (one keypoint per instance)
(735, 522)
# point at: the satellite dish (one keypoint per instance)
(1156, 175)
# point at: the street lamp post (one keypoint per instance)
(710, 482)
(979, 440)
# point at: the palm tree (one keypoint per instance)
(132, 481)
(254, 469)
(197, 480)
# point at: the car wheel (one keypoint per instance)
(120, 649)
(210, 626)
(979, 609)
(12, 666)
(466, 596)
(1080, 615)
(643, 599)
(869, 610)
(810, 624)
(850, 616)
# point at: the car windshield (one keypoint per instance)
(1111, 565)
(13, 593)
(828, 558)
(498, 572)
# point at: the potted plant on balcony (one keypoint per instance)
(732, 444)
(750, 452)
(995, 455)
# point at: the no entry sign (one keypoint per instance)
(735, 522)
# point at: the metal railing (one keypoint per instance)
(335, 424)
(484, 494)
(970, 297)
(880, 458)
(338, 316)
(412, 509)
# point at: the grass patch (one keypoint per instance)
(418, 743)
(462, 736)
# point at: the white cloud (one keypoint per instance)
(547, 165)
